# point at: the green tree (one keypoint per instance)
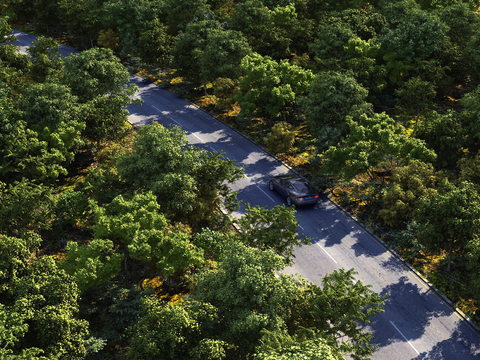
(272, 229)
(55, 115)
(206, 51)
(281, 138)
(189, 182)
(46, 61)
(154, 43)
(26, 206)
(44, 296)
(415, 98)
(183, 12)
(247, 295)
(270, 88)
(284, 347)
(450, 218)
(421, 36)
(212, 242)
(445, 134)
(82, 18)
(128, 18)
(181, 331)
(331, 98)
(336, 309)
(253, 303)
(374, 142)
(137, 225)
(409, 183)
(91, 264)
(100, 82)
(469, 167)
(266, 29)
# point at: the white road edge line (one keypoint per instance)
(327, 253)
(265, 193)
(409, 343)
(213, 149)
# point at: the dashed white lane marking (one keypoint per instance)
(198, 138)
(327, 253)
(213, 149)
(409, 343)
(265, 193)
(301, 227)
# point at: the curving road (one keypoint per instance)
(417, 324)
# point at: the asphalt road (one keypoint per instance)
(417, 323)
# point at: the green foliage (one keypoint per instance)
(71, 208)
(212, 242)
(281, 139)
(99, 80)
(247, 295)
(188, 181)
(128, 18)
(374, 142)
(54, 114)
(108, 39)
(224, 91)
(469, 167)
(8, 52)
(270, 88)
(141, 229)
(415, 98)
(445, 134)
(473, 248)
(409, 183)
(42, 296)
(450, 218)
(183, 12)
(46, 61)
(111, 309)
(270, 31)
(331, 98)
(336, 309)
(206, 51)
(183, 332)
(26, 206)
(154, 43)
(91, 264)
(276, 346)
(272, 229)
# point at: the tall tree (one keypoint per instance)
(374, 142)
(189, 182)
(44, 296)
(270, 88)
(206, 51)
(332, 97)
(99, 80)
(142, 232)
(451, 218)
(272, 229)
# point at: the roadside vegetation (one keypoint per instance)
(112, 244)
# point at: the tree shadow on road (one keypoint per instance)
(456, 347)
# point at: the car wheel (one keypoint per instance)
(270, 184)
(289, 201)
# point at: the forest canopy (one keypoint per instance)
(91, 254)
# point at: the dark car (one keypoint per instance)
(295, 189)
